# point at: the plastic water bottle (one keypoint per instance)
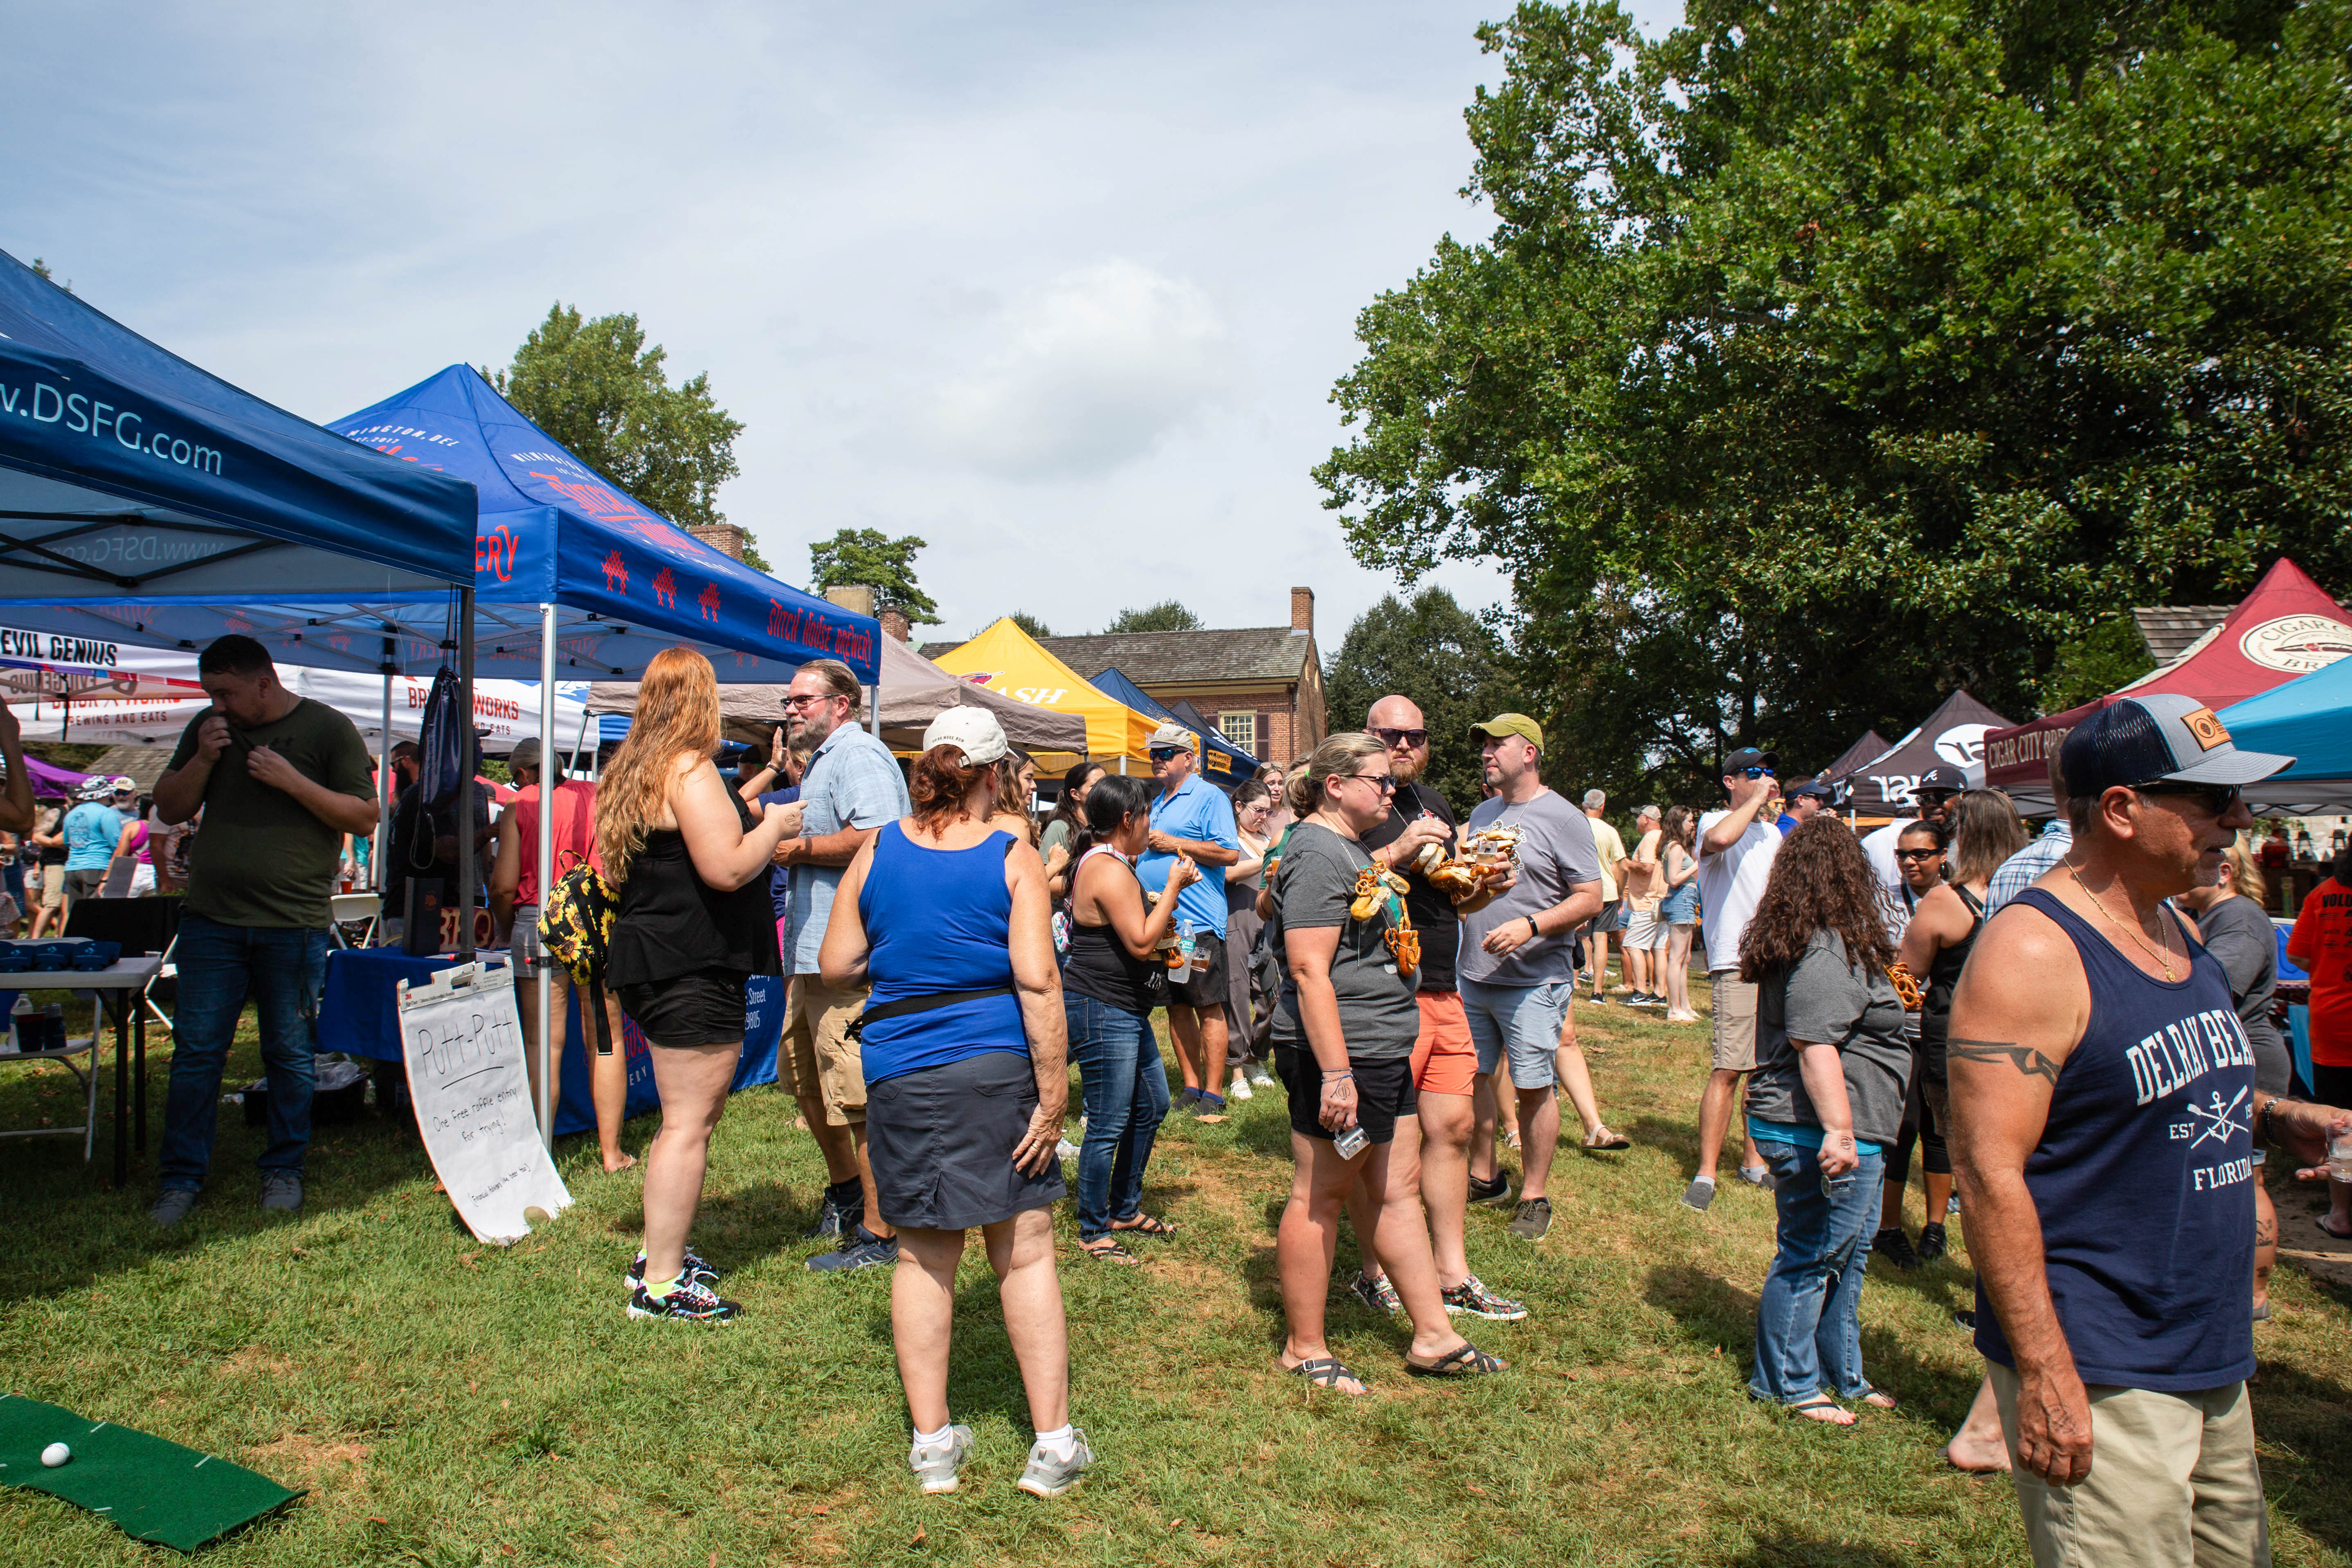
(1188, 948)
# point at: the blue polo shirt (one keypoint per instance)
(1199, 811)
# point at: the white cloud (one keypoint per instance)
(1087, 372)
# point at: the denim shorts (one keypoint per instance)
(1521, 1022)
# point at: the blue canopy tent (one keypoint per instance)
(1222, 764)
(2310, 720)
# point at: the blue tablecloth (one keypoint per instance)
(359, 1015)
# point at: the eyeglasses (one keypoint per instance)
(1385, 783)
(2217, 799)
(795, 702)
(1166, 753)
(1403, 737)
(1919, 853)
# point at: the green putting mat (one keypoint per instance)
(153, 1489)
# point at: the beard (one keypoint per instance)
(1406, 770)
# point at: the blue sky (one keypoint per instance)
(1062, 289)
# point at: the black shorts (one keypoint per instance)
(705, 1009)
(1207, 989)
(941, 1141)
(1933, 1065)
(1384, 1092)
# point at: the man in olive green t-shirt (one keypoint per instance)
(279, 779)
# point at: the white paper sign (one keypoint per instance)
(462, 1042)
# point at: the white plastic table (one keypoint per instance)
(126, 981)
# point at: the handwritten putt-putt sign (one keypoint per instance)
(463, 1043)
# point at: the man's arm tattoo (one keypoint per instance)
(2024, 1059)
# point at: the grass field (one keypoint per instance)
(450, 1404)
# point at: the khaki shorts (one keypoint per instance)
(53, 887)
(816, 1054)
(2173, 1481)
(1735, 1021)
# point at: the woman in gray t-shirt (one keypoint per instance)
(1343, 1034)
(1826, 1098)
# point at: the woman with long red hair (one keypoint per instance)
(693, 923)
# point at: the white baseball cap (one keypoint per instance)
(1172, 733)
(973, 730)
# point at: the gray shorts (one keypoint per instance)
(1521, 1022)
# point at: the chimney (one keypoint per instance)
(857, 598)
(723, 537)
(894, 624)
(1302, 610)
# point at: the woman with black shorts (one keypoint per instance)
(1343, 1034)
(967, 1074)
(1985, 831)
(695, 921)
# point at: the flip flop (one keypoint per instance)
(1469, 1361)
(1608, 1141)
(1325, 1372)
(1112, 1253)
(1145, 1225)
(1822, 1411)
(2340, 1235)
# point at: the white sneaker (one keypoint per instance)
(1261, 1078)
(936, 1466)
(1240, 1088)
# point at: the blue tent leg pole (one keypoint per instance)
(544, 852)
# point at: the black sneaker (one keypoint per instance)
(845, 1202)
(1933, 1242)
(1895, 1248)
(696, 1269)
(860, 1249)
(1495, 1193)
(1967, 1317)
(690, 1301)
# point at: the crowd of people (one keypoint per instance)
(2073, 1031)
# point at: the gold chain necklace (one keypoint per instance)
(2162, 956)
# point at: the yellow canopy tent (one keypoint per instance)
(1007, 660)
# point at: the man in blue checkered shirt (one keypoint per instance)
(2025, 867)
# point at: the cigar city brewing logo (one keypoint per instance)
(2297, 644)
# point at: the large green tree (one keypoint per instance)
(869, 557)
(1168, 616)
(1430, 649)
(1828, 355)
(596, 387)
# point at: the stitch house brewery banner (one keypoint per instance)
(462, 1042)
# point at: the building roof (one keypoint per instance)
(1259, 654)
(2168, 629)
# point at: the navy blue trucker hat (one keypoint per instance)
(2143, 740)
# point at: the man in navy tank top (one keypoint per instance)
(2104, 1124)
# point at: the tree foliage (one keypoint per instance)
(1032, 625)
(1430, 649)
(867, 555)
(598, 389)
(1830, 354)
(41, 269)
(2103, 659)
(1168, 616)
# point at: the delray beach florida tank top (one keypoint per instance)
(2143, 1178)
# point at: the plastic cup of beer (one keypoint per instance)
(2339, 1157)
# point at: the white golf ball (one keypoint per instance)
(55, 1454)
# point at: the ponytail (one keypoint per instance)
(1114, 799)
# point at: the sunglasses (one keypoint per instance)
(793, 702)
(1403, 737)
(1758, 773)
(1381, 781)
(1919, 853)
(2217, 799)
(1165, 753)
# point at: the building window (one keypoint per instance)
(1239, 729)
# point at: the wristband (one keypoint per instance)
(1535, 932)
(1330, 1074)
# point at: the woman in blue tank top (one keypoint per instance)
(966, 1079)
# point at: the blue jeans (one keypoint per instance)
(1124, 1088)
(282, 969)
(1808, 1321)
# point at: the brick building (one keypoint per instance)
(1261, 686)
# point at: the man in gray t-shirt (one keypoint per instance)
(1516, 963)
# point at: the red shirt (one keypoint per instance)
(574, 835)
(2322, 944)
